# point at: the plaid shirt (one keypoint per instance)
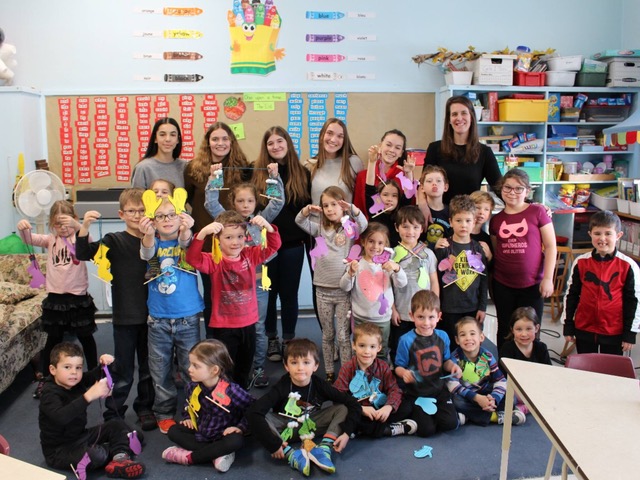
(378, 369)
(213, 420)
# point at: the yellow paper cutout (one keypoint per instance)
(102, 262)
(266, 281)
(216, 254)
(179, 199)
(151, 203)
(194, 405)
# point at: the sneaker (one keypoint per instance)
(177, 455)
(331, 377)
(518, 418)
(299, 460)
(259, 380)
(125, 468)
(462, 418)
(274, 350)
(403, 427)
(223, 463)
(148, 422)
(165, 424)
(321, 456)
(37, 393)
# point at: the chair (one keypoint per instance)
(618, 365)
(564, 260)
(4, 446)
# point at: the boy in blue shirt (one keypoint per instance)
(422, 359)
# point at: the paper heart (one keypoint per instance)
(151, 203)
(179, 199)
(371, 284)
(428, 404)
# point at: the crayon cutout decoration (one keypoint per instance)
(234, 108)
(254, 29)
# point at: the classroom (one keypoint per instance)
(91, 79)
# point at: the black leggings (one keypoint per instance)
(204, 452)
(507, 299)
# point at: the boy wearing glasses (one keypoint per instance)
(174, 303)
(129, 299)
(232, 268)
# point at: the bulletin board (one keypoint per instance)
(94, 141)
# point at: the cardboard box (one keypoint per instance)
(624, 68)
(623, 82)
(493, 70)
(586, 178)
(605, 54)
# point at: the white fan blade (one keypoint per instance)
(28, 204)
(39, 180)
(44, 198)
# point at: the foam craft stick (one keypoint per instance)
(427, 404)
(37, 277)
(318, 251)
(217, 404)
(151, 203)
(266, 281)
(134, 443)
(425, 451)
(378, 205)
(107, 375)
(179, 199)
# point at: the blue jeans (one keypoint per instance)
(284, 271)
(261, 335)
(165, 336)
(130, 341)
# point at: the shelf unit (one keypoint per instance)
(636, 254)
(541, 128)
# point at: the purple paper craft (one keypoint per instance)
(409, 187)
(134, 442)
(445, 264)
(37, 277)
(107, 375)
(475, 261)
(384, 304)
(354, 254)
(318, 251)
(350, 227)
(378, 204)
(81, 468)
(382, 257)
(449, 276)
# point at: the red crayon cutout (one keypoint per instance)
(219, 395)
(271, 13)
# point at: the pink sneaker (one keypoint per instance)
(177, 455)
(223, 463)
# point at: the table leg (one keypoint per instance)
(552, 459)
(506, 430)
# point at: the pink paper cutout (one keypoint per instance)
(318, 251)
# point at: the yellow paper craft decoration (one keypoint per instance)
(102, 262)
(194, 405)
(263, 238)
(151, 203)
(179, 199)
(216, 254)
(266, 281)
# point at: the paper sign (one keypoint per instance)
(265, 97)
(264, 106)
(238, 130)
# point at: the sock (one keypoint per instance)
(287, 451)
(328, 439)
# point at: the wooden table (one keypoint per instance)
(13, 468)
(592, 419)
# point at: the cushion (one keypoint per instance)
(5, 325)
(12, 293)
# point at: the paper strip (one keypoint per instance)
(325, 38)
(363, 38)
(362, 58)
(361, 15)
(312, 15)
(361, 76)
(323, 57)
(329, 76)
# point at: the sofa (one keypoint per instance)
(21, 337)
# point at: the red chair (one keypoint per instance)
(4, 446)
(618, 365)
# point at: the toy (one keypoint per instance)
(6, 62)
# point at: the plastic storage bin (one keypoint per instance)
(603, 203)
(561, 79)
(529, 79)
(571, 63)
(605, 113)
(511, 110)
(458, 78)
(591, 79)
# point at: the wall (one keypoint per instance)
(77, 46)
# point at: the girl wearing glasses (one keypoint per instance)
(466, 161)
(524, 246)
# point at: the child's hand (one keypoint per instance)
(546, 287)
(480, 316)
(106, 359)
(146, 226)
(213, 169)
(390, 267)
(487, 250)
(279, 454)
(626, 346)
(100, 389)
(188, 423)
(261, 222)
(369, 412)
(213, 228)
(314, 209)
(374, 153)
(230, 430)
(407, 376)
(68, 221)
(341, 442)
(486, 402)
(186, 222)
(442, 243)
(90, 217)
(24, 225)
(272, 169)
(383, 413)
(395, 316)
(353, 268)
(456, 371)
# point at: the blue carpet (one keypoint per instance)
(471, 452)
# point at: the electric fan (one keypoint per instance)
(35, 194)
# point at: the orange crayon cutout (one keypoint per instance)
(231, 18)
(182, 11)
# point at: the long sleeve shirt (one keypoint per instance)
(480, 377)
(378, 369)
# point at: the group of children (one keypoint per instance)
(396, 298)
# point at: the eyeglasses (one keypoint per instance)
(133, 213)
(508, 189)
(169, 216)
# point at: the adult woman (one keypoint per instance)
(219, 145)
(285, 269)
(391, 155)
(466, 161)
(336, 163)
(161, 160)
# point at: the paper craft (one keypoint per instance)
(219, 395)
(428, 404)
(193, 405)
(178, 199)
(287, 433)
(425, 451)
(378, 204)
(265, 283)
(475, 261)
(359, 386)
(307, 427)
(383, 257)
(217, 182)
(134, 443)
(272, 190)
(107, 375)
(80, 470)
(350, 227)
(423, 278)
(37, 277)
(291, 408)
(103, 263)
(384, 304)
(216, 253)
(354, 254)
(151, 203)
(409, 187)
(318, 251)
